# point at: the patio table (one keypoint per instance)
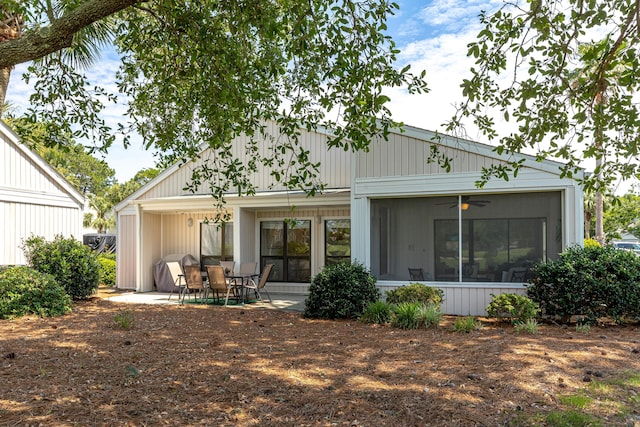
(237, 281)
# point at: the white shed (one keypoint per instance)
(34, 199)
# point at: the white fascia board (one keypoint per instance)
(28, 197)
(41, 164)
(192, 203)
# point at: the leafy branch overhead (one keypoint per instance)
(198, 74)
(561, 76)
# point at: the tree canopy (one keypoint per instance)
(562, 78)
(204, 72)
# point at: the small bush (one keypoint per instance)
(467, 324)
(124, 319)
(72, 264)
(592, 282)
(415, 292)
(378, 312)
(514, 307)
(24, 290)
(530, 326)
(107, 270)
(429, 315)
(405, 315)
(414, 315)
(341, 291)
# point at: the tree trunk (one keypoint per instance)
(5, 73)
(599, 217)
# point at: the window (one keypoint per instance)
(337, 241)
(216, 243)
(486, 237)
(287, 245)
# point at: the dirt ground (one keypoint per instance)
(198, 365)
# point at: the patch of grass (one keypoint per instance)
(578, 401)
(571, 419)
(124, 319)
(529, 327)
(467, 324)
(583, 328)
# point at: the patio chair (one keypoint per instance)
(176, 275)
(229, 266)
(416, 273)
(261, 282)
(248, 267)
(193, 277)
(217, 280)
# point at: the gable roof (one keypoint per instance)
(39, 163)
(427, 136)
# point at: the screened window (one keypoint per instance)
(337, 238)
(484, 238)
(216, 243)
(287, 245)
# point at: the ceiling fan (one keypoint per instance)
(466, 202)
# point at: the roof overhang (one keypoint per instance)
(260, 201)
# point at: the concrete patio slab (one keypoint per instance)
(292, 302)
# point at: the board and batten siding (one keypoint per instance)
(405, 155)
(34, 199)
(126, 266)
(334, 171)
(465, 299)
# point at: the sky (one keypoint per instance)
(432, 36)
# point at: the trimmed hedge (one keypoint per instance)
(415, 292)
(591, 282)
(107, 271)
(341, 291)
(24, 290)
(73, 264)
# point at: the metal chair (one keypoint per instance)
(261, 282)
(229, 266)
(416, 273)
(176, 274)
(193, 277)
(248, 267)
(217, 280)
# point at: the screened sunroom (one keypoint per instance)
(464, 238)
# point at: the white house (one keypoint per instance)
(34, 199)
(388, 208)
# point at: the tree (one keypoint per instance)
(623, 217)
(526, 61)
(204, 72)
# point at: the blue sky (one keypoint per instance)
(432, 35)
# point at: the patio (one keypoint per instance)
(281, 301)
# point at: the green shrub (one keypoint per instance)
(529, 326)
(466, 324)
(429, 315)
(591, 282)
(405, 315)
(72, 264)
(341, 291)
(107, 270)
(24, 290)
(414, 315)
(514, 307)
(378, 312)
(415, 292)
